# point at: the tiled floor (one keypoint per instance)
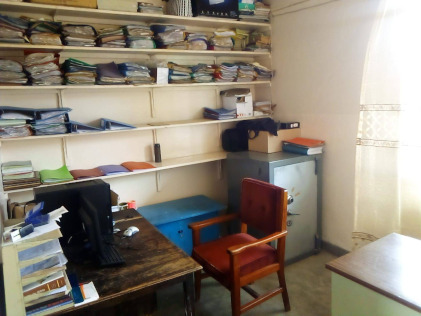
(308, 284)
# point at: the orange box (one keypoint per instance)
(71, 3)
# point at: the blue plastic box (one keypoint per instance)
(173, 217)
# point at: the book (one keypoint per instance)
(308, 142)
(134, 165)
(50, 306)
(301, 150)
(54, 281)
(57, 175)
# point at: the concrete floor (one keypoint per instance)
(308, 284)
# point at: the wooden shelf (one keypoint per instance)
(134, 51)
(147, 127)
(142, 86)
(85, 15)
(164, 165)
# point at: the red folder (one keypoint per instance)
(307, 142)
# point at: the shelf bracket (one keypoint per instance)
(152, 102)
(60, 99)
(219, 169)
(158, 181)
(65, 152)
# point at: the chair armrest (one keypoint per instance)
(235, 250)
(212, 221)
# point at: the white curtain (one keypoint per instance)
(388, 162)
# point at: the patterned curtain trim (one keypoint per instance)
(382, 107)
(378, 143)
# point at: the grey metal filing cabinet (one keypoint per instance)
(301, 176)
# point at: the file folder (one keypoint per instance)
(77, 127)
(107, 124)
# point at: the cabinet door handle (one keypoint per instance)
(291, 213)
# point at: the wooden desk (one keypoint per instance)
(152, 262)
(382, 278)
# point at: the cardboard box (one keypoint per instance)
(71, 3)
(118, 5)
(239, 99)
(268, 143)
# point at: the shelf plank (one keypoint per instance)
(142, 86)
(151, 126)
(120, 17)
(135, 51)
(164, 165)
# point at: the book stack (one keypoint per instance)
(147, 7)
(41, 268)
(139, 36)
(78, 35)
(303, 146)
(219, 114)
(11, 72)
(78, 72)
(43, 69)
(12, 29)
(19, 175)
(111, 37)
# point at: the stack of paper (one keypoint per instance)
(55, 176)
(167, 35)
(44, 33)
(202, 73)
(219, 114)
(139, 36)
(135, 73)
(179, 73)
(109, 74)
(12, 30)
(241, 39)
(78, 72)
(262, 11)
(226, 72)
(43, 68)
(18, 175)
(14, 123)
(42, 266)
(111, 37)
(259, 42)
(261, 72)
(11, 72)
(221, 40)
(78, 35)
(245, 72)
(147, 7)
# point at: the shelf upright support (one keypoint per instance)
(65, 154)
(152, 102)
(3, 198)
(158, 181)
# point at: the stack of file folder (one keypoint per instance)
(202, 73)
(222, 40)
(197, 41)
(78, 35)
(139, 36)
(146, 7)
(219, 114)
(43, 69)
(109, 74)
(135, 73)
(11, 73)
(261, 72)
(59, 175)
(245, 72)
(14, 122)
(111, 37)
(168, 35)
(78, 72)
(179, 73)
(13, 30)
(19, 175)
(226, 72)
(51, 121)
(44, 33)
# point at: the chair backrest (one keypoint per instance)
(263, 205)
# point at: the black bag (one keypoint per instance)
(235, 139)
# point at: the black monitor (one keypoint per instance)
(88, 225)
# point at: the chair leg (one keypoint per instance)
(235, 300)
(197, 284)
(282, 283)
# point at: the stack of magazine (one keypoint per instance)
(219, 114)
(19, 175)
(303, 146)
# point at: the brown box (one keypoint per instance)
(71, 3)
(118, 5)
(268, 143)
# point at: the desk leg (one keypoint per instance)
(189, 295)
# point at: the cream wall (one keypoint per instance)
(318, 55)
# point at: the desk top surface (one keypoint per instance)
(389, 266)
(151, 261)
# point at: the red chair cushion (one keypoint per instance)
(214, 258)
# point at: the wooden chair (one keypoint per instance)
(240, 259)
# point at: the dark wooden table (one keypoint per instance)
(152, 262)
